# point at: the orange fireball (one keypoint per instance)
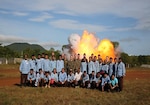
(90, 44)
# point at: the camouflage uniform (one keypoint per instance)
(71, 65)
(77, 64)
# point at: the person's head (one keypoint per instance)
(40, 70)
(71, 57)
(60, 57)
(46, 56)
(120, 60)
(98, 74)
(84, 73)
(90, 59)
(39, 56)
(93, 72)
(53, 57)
(100, 60)
(95, 58)
(33, 57)
(78, 56)
(70, 71)
(53, 54)
(112, 76)
(25, 56)
(84, 55)
(54, 70)
(105, 75)
(110, 59)
(99, 56)
(62, 70)
(31, 71)
(78, 70)
(46, 73)
(75, 57)
(107, 59)
(43, 55)
(92, 55)
(115, 60)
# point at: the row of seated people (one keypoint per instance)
(101, 81)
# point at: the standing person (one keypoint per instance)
(90, 66)
(71, 64)
(70, 79)
(24, 70)
(46, 64)
(53, 63)
(59, 64)
(100, 64)
(77, 62)
(84, 62)
(64, 58)
(62, 78)
(54, 78)
(115, 66)
(99, 58)
(32, 62)
(31, 78)
(105, 67)
(110, 70)
(96, 64)
(38, 63)
(77, 78)
(120, 73)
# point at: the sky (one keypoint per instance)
(49, 23)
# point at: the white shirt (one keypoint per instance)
(77, 76)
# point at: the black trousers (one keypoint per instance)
(23, 81)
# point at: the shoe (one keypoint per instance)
(45, 86)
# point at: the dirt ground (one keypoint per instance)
(130, 75)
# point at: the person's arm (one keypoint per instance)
(20, 68)
(34, 77)
(124, 69)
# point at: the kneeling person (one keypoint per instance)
(47, 79)
(114, 83)
(85, 80)
(70, 80)
(54, 78)
(62, 78)
(31, 78)
(39, 78)
(105, 82)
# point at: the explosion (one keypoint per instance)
(88, 43)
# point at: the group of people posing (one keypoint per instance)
(92, 73)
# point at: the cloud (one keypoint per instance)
(19, 13)
(50, 44)
(75, 25)
(136, 9)
(129, 39)
(41, 18)
(15, 13)
(6, 39)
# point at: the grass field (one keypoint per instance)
(136, 91)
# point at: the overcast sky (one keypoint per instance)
(50, 22)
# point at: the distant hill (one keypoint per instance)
(18, 47)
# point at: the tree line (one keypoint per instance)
(132, 60)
